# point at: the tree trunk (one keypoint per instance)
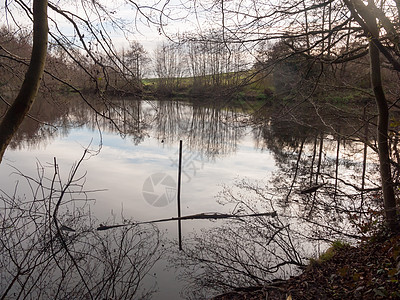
(365, 152)
(383, 147)
(337, 166)
(366, 17)
(27, 94)
(321, 146)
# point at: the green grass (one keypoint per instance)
(257, 86)
(329, 253)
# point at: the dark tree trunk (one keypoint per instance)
(366, 17)
(365, 152)
(383, 147)
(337, 167)
(27, 94)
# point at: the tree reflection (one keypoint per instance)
(49, 247)
(256, 251)
(211, 131)
(215, 130)
(240, 253)
(330, 177)
(324, 188)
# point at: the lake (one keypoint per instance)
(234, 162)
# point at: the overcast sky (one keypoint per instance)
(123, 24)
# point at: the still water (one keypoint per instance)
(131, 163)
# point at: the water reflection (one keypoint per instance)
(314, 175)
(210, 130)
(51, 250)
(139, 142)
(324, 188)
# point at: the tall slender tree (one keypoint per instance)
(366, 15)
(30, 86)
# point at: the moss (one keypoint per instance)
(329, 253)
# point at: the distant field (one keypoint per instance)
(246, 82)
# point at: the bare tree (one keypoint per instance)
(50, 248)
(137, 60)
(89, 53)
(169, 67)
(324, 35)
(367, 16)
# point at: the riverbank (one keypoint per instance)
(370, 270)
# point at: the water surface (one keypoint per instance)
(131, 161)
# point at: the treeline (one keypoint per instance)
(69, 70)
(200, 65)
(196, 66)
(296, 74)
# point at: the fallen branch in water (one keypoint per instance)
(201, 216)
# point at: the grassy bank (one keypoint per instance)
(370, 270)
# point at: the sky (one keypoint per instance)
(120, 19)
(112, 26)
